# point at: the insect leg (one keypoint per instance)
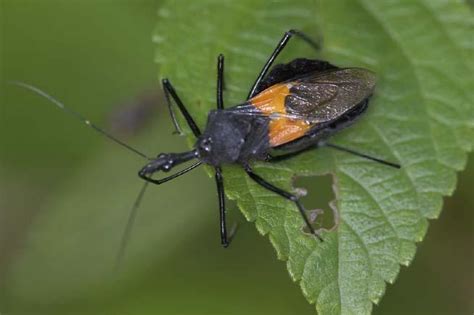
(170, 110)
(283, 157)
(225, 240)
(220, 81)
(281, 45)
(170, 91)
(362, 155)
(164, 180)
(259, 180)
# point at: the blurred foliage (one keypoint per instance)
(66, 192)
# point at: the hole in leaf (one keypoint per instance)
(317, 195)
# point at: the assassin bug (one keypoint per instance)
(290, 109)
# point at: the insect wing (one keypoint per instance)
(295, 106)
(326, 96)
(314, 98)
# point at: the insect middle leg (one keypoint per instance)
(220, 81)
(262, 182)
(171, 92)
(225, 238)
(279, 48)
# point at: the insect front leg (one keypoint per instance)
(164, 162)
(160, 181)
(262, 182)
(279, 48)
(171, 92)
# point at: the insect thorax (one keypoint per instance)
(232, 138)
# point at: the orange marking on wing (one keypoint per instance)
(271, 100)
(281, 129)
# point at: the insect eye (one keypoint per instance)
(206, 144)
(167, 167)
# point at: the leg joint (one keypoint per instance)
(292, 197)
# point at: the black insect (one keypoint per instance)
(293, 108)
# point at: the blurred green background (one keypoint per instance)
(66, 192)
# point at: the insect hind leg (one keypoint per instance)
(286, 71)
(284, 157)
(279, 48)
(262, 182)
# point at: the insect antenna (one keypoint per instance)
(337, 147)
(128, 228)
(133, 212)
(77, 116)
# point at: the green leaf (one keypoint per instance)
(421, 116)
